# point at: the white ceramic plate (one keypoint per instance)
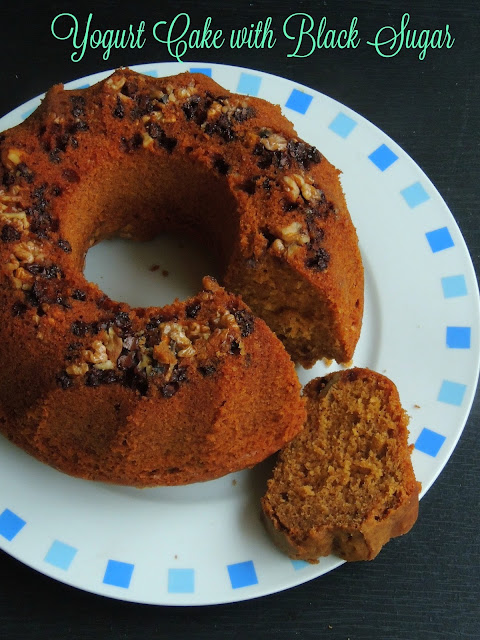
(204, 543)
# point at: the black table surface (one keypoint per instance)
(423, 585)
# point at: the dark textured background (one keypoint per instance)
(424, 585)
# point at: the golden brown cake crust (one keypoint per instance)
(345, 485)
(229, 168)
(94, 387)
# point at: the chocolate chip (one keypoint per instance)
(96, 377)
(79, 125)
(249, 186)
(245, 321)
(270, 238)
(127, 360)
(130, 342)
(64, 380)
(154, 323)
(56, 190)
(191, 107)
(54, 156)
(18, 308)
(39, 191)
(221, 127)
(319, 261)
(64, 245)
(122, 320)
(130, 88)
(78, 106)
(40, 270)
(136, 381)
(130, 144)
(191, 310)
(170, 389)
(221, 166)
(167, 143)
(234, 348)
(119, 111)
(243, 113)
(79, 295)
(8, 179)
(303, 153)
(287, 205)
(71, 175)
(207, 370)
(153, 130)
(179, 374)
(10, 234)
(80, 328)
(62, 141)
(25, 172)
(38, 294)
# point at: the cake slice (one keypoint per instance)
(345, 485)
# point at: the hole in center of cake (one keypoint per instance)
(151, 273)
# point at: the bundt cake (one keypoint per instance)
(174, 395)
(345, 484)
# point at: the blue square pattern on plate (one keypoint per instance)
(299, 564)
(181, 581)
(429, 442)
(60, 555)
(414, 195)
(383, 157)
(454, 286)
(118, 574)
(458, 337)
(299, 101)
(439, 239)
(452, 392)
(249, 84)
(10, 524)
(207, 71)
(342, 125)
(242, 574)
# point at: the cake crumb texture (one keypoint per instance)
(345, 485)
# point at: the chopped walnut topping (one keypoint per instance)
(27, 252)
(175, 332)
(296, 184)
(291, 188)
(13, 158)
(103, 353)
(278, 246)
(113, 344)
(148, 141)
(23, 279)
(188, 352)
(274, 142)
(292, 238)
(293, 234)
(97, 353)
(18, 220)
(116, 82)
(214, 111)
(77, 369)
(163, 354)
(186, 92)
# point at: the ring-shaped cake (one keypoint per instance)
(202, 387)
